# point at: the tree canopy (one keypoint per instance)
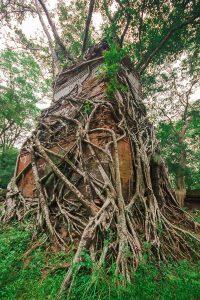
(152, 30)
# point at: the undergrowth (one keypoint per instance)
(37, 274)
(196, 215)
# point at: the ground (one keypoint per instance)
(36, 273)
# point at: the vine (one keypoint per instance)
(86, 201)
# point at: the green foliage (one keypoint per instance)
(171, 149)
(151, 22)
(167, 282)
(172, 105)
(72, 20)
(19, 87)
(19, 91)
(27, 277)
(196, 215)
(7, 165)
(38, 275)
(111, 66)
(87, 107)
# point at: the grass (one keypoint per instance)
(38, 276)
(196, 215)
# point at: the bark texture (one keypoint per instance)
(91, 175)
(180, 174)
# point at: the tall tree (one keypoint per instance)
(20, 91)
(18, 95)
(58, 40)
(98, 181)
(177, 112)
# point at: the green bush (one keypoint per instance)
(38, 275)
(7, 165)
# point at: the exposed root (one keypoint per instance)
(81, 199)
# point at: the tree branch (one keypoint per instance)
(144, 64)
(55, 33)
(6, 128)
(125, 29)
(128, 20)
(87, 25)
(108, 15)
(50, 41)
(141, 21)
(188, 93)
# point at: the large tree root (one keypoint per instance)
(80, 199)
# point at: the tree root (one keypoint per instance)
(81, 200)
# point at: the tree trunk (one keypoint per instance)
(180, 177)
(91, 174)
(181, 189)
(55, 33)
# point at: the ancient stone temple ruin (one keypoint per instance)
(76, 90)
(91, 177)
